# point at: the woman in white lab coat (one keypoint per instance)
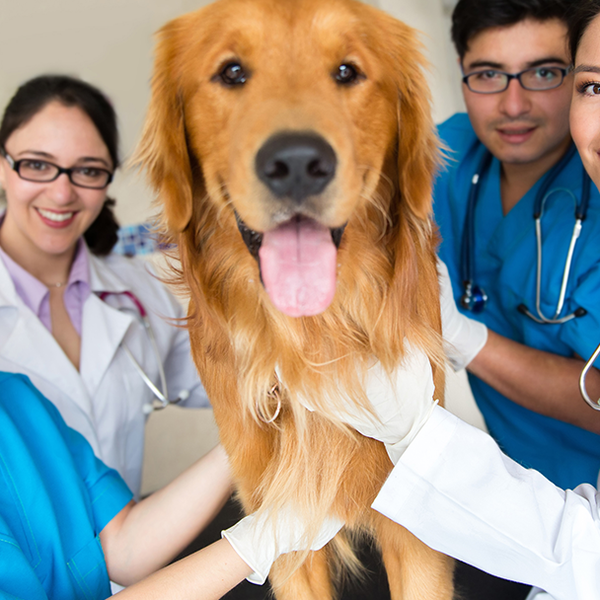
(451, 485)
(69, 310)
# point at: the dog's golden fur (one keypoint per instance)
(198, 147)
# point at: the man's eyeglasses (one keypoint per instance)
(536, 79)
(42, 171)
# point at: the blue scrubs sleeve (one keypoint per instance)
(55, 498)
(107, 491)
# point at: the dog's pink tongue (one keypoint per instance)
(298, 266)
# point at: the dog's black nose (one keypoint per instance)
(296, 165)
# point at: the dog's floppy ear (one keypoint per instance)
(163, 150)
(418, 147)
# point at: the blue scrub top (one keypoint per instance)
(505, 266)
(55, 498)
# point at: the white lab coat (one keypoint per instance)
(455, 490)
(104, 400)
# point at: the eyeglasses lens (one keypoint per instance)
(537, 79)
(487, 82)
(541, 79)
(42, 171)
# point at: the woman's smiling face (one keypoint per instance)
(585, 106)
(50, 217)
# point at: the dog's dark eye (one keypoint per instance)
(233, 74)
(346, 73)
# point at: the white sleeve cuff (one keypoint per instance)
(423, 452)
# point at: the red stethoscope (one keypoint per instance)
(161, 398)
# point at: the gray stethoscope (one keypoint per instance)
(474, 297)
(161, 397)
(588, 365)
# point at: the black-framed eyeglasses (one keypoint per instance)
(536, 79)
(42, 171)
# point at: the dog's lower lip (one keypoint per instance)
(253, 239)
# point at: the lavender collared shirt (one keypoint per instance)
(37, 296)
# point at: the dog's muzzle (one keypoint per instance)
(297, 259)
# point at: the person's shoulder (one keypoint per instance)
(125, 264)
(145, 280)
(16, 379)
(458, 141)
(135, 272)
(457, 126)
(19, 396)
(457, 136)
(5, 375)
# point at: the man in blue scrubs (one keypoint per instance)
(525, 378)
(514, 56)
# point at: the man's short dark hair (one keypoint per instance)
(470, 17)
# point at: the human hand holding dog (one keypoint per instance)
(401, 404)
(403, 407)
(247, 550)
(463, 337)
(259, 540)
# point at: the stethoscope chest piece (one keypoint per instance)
(474, 299)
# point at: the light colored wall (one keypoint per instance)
(432, 19)
(110, 44)
(107, 43)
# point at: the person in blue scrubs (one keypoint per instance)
(525, 379)
(68, 522)
(55, 497)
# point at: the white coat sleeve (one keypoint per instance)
(455, 490)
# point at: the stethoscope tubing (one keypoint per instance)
(469, 226)
(541, 197)
(588, 365)
(467, 259)
(541, 318)
(164, 402)
(161, 398)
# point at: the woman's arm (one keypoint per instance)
(144, 537)
(205, 575)
(454, 489)
(248, 551)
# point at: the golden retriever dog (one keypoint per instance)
(292, 149)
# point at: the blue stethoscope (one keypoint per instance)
(474, 297)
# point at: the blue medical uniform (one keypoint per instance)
(505, 266)
(55, 498)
